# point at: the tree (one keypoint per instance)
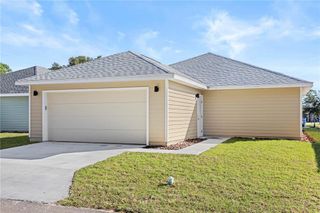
(55, 66)
(4, 68)
(311, 104)
(78, 60)
(73, 61)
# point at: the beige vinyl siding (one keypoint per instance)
(182, 112)
(156, 106)
(253, 112)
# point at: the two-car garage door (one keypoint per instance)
(103, 115)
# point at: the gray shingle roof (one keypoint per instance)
(118, 65)
(7, 81)
(218, 71)
(209, 69)
(169, 69)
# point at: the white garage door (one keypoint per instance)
(108, 116)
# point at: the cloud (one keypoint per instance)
(316, 32)
(227, 33)
(36, 8)
(30, 36)
(120, 35)
(152, 45)
(143, 42)
(223, 32)
(31, 28)
(67, 37)
(28, 6)
(73, 17)
(62, 9)
(30, 39)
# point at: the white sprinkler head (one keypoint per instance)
(170, 181)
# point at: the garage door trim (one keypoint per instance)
(45, 104)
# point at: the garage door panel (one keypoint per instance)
(98, 116)
(100, 136)
(98, 96)
(103, 109)
(14, 113)
(126, 123)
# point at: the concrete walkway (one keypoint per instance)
(195, 149)
(13, 206)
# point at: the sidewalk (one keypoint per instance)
(13, 206)
(195, 149)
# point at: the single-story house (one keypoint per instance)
(14, 100)
(131, 98)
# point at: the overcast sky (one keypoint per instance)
(282, 36)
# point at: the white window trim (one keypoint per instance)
(44, 116)
(45, 103)
(14, 95)
(200, 113)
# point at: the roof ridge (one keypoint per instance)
(73, 66)
(165, 67)
(37, 66)
(76, 65)
(18, 71)
(142, 57)
(192, 58)
(88, 62)
(264, 69)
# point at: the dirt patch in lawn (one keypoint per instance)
(307, 138)
(179, 145)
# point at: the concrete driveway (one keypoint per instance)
(43, 172)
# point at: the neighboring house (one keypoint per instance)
(14, 100)
(131, 98)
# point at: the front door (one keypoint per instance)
(200, 116)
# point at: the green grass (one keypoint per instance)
(9, 140)
(237, 176)
(312, 124)
(314, 133)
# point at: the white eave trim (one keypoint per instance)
(14, 94)
(307, 85)
(98, 80)
(174, 77)
(189, 82)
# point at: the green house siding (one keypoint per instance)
(14, 114)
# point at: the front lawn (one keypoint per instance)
(9, 140)
(239, 175)
(317, 124)
(314, 133)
